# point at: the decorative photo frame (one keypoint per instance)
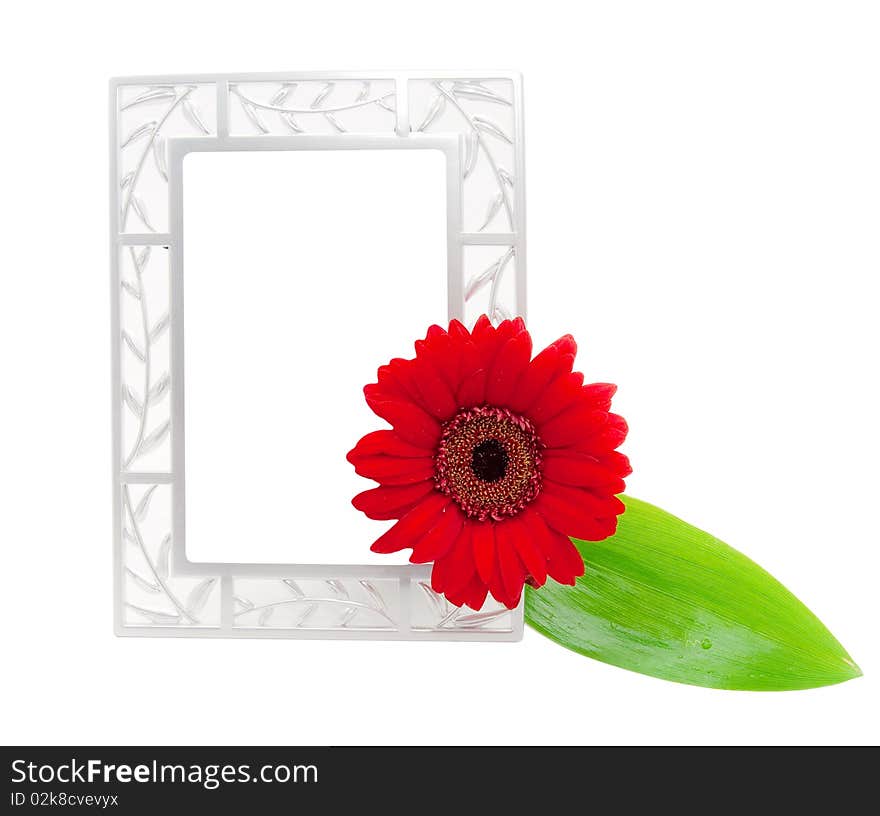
(476, 121)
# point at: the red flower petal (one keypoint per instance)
(475, 594)
(438, 576)
(599, 503)
(383, 503)
(395, 381)
(548, 365)
(536, 526)
(510, 365)
(440, 538)
(604, 439)
(580, 470)
(393, 470)
(482, 325)
(412, 526)
(513, 573)
(457, 570)
(564, 562)
(472, 390)
(436, 395)
(435, 336)
(441, 351)
(496, 587)
(599, 394)
(614, 432)
(528, 548)
(616, 461)
(566, 345)
(572, 425)
(562, 393)
(490, 340)
(409, 421)
(573, 519)
(471, 375)
(457, 330)
(484, 549)
(384, 443)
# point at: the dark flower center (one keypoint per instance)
(489, 461)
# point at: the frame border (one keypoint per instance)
(452, 145)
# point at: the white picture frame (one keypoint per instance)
(476, 121)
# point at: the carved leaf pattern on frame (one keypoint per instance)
(352, 604)
(152, 595)
(140, 338)
(345, 604)
(445, 616)
(142, 143)
(472, 102)
(490, 278)
(299, 106)
(480, 129)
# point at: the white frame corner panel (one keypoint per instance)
(476, 121)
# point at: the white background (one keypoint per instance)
(703, 212)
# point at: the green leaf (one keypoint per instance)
(663, 598)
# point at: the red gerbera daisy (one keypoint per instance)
(494, 459)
